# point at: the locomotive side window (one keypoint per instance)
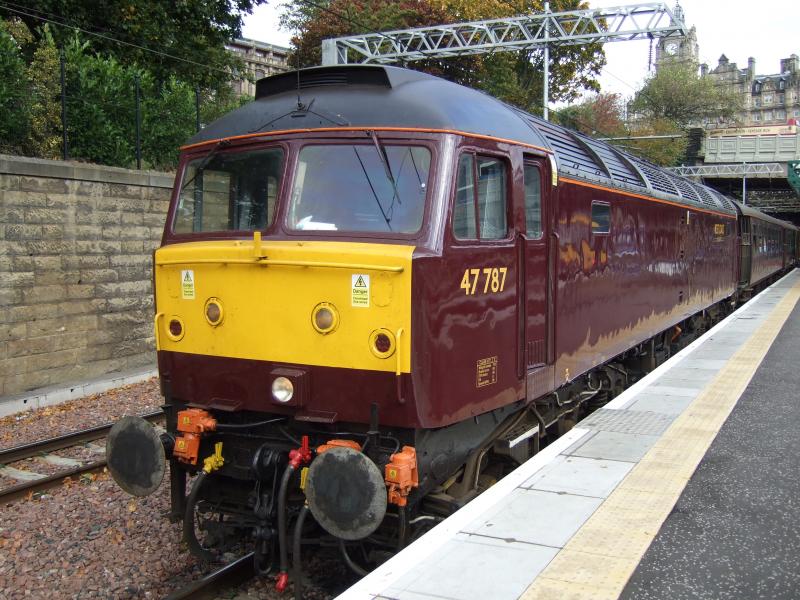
(533, 201)
(480, 203)
(360, 187)
(229, 192)
(601, 217)
(465, 226)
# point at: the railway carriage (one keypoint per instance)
(378, 291)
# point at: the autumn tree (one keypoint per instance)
(515, 77)
(601, 115)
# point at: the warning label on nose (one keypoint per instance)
(187, 285)
(360, 290)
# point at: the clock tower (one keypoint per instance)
(678, 49)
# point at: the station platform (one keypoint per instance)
(684, 486)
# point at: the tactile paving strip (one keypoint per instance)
(628, 421)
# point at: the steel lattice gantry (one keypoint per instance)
(772, 200)
(624, 23)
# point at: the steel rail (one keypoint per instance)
(60, 442)
(21, 490)
(17, 453)
(230, 575)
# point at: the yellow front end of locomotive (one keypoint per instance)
(319, 303)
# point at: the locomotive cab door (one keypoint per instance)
(537, 288)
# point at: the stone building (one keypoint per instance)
(767, 99)
(261, 59)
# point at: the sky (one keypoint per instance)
(766, 30)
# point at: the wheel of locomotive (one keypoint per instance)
(203, 526)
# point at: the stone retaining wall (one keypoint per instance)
(76, 243)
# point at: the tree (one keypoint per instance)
(44, 80)
(598, 116)
(678, 94)
(13, 93)
(513, 77)
(149, 33)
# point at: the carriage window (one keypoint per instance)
(229, 192)
(533, 202)
(480, 204)
(360, 187)
(601, 217)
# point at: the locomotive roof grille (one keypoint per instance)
(658, 179)
(688, 192)
(620, 171)
(707, 197)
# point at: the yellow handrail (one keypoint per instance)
(268, 262)
(155, 328)
(399, 350)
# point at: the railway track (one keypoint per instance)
(31, 482)
(231, 575)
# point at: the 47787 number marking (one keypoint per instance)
(494, 280)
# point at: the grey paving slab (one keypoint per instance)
(536, 517)
(667, 405)
(475, 568)
(630, 447)
(703, 363)
(583, 476)
(671, 390)
(627, 421)
(674, 379)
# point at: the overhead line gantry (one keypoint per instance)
(537, 30)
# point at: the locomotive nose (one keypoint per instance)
(135, 456)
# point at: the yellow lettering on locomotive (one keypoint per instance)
(494, 280)
(719, 229)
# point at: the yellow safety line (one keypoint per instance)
(600, 558)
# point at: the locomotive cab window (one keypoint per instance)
(229, 192)
(533, 201)
(372, 188)
(601, 217)
(479, 211)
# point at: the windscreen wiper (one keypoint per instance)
(204, 162)
(386, 166)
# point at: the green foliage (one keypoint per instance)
(193, 30)
(44, 78)
(513, 77)
(14, 105)
(678, 94)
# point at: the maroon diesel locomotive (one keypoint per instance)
(379, 291)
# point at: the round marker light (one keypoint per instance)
(381, 343)
(175, 329)
(213, 311)
(282, 389)
(325, 317)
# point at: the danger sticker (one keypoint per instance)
(360, 290)
(187, 285)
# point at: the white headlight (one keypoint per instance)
(282, 389)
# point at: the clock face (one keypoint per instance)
(671, 48)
